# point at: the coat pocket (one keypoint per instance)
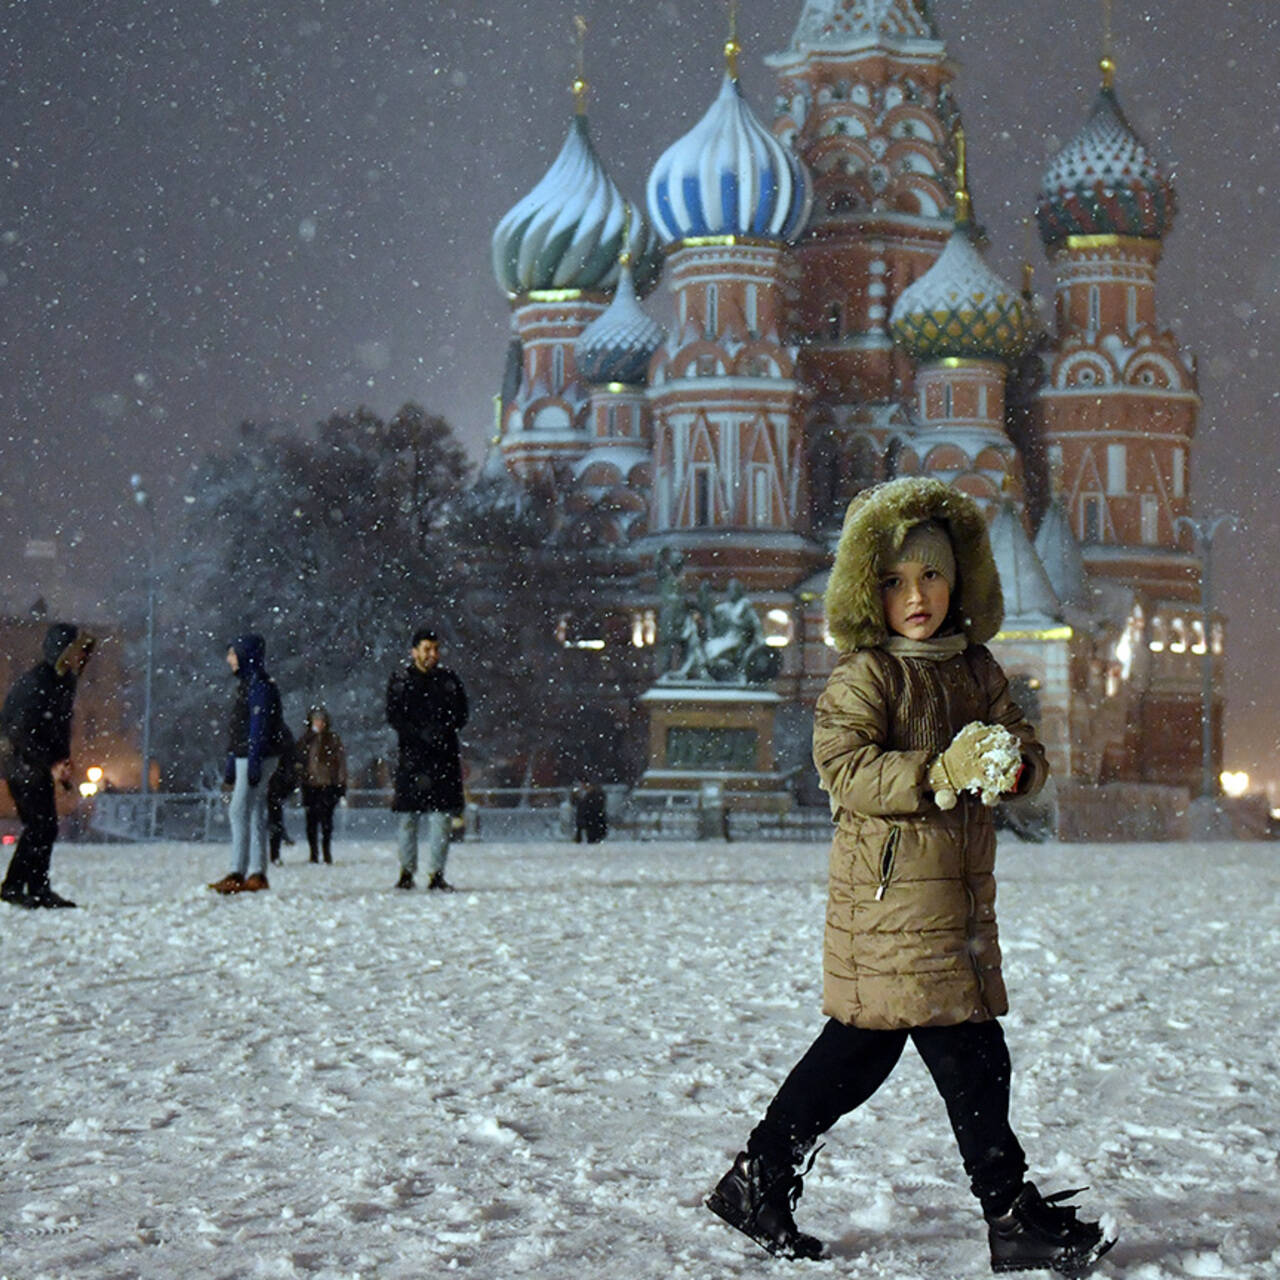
(888, 855)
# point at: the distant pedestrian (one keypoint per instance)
(590, 815)
(255, 735)
(426, 706)
(35, 752)
(322, 772)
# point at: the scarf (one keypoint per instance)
(935, 649)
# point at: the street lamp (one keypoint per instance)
(1202, 531)
(144, 503)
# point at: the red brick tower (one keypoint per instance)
(863, 98)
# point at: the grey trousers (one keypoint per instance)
(437, 841)
(248, 817)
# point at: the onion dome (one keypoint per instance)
(567, 233)
(729, 176)
(960, 309)
(617, 346)
(839, 24)
(1105, 181)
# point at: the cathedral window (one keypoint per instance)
(752, 308)
(1150, 519)
(713, 310)
(1117, 478)
(612, 421)
(835, 322)
(1132, 306)
(948, 401)
(1095, 307)
(702, 513)
(1179, 473)
(761, 498)
(557, 368)
(1092, 511)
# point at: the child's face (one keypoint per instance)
(915, 599)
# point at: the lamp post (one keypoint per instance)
(1203, 531)
(144, 503)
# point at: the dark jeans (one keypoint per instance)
(319, 803)
(33, 797)
(845, 1065)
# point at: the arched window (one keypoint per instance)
(713, 310)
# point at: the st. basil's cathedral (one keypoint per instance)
(832, 324)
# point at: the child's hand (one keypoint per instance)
(984, 758)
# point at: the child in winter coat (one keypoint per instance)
(915, 738)
(322, 770)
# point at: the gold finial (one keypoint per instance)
(624, 258)
(731, 46)
(1107, 64)
(580, 80)
(964, 205)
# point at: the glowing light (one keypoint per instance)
(1234, 784)
(778, 628)
(94, 774)
(88, 789)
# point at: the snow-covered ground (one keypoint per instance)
(543, 1074)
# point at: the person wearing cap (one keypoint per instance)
(426, 706)
(35, 750)
(916, 737)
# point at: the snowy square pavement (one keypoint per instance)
(543, 1074)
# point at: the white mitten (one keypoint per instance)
(983, 758)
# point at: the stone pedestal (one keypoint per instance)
(716, 740)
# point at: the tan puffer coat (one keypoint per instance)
(911, 936)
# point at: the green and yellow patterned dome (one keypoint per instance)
(960, 309)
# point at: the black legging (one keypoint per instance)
(845, 1065)
(33, 797)
(319, 803)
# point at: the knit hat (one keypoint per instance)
(927, 543)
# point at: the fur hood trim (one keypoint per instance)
(875, 525)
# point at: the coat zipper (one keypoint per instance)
(887, 856)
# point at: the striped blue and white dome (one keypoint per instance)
(617, 345)
(729, 176)
(567, 232)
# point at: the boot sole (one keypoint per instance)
(1071, 1267)
(724, 1211)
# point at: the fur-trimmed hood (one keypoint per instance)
(875, 525)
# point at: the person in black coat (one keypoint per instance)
(426, 706)
(35, 749)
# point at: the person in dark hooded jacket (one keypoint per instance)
(255, 734)
(35, 748)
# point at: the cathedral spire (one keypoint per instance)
(1107, 63)
(731, 46)
(580, 80)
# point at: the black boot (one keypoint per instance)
(1042, 1234)
(43, 896)
(16, 895)
(757, 1197)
